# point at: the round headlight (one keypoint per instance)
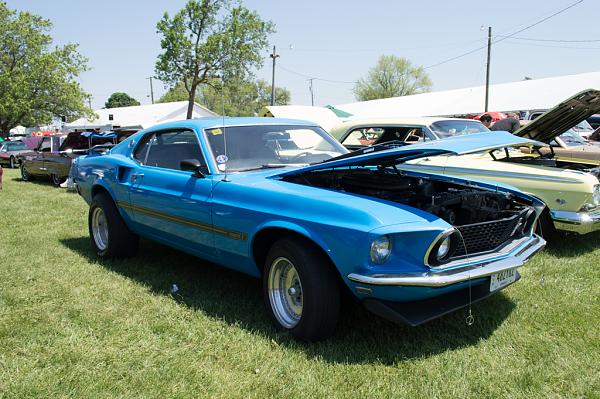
(381, 249)
(596, 195)
(444, 248)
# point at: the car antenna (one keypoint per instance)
(225, 179)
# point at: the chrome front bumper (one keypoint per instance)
(576, 222)
(475, 267)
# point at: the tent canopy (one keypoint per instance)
(527, 95)
(138, 117)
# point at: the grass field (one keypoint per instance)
(71, 326)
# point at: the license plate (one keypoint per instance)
(502, 279)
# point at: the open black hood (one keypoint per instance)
(561, 118)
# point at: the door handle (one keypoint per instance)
(135, 176)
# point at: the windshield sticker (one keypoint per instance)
(222, 159)
(216, 132)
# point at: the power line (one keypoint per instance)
(502, 38)
(506, 37)
(551, 40)
(313, 77)
(374, 50)
(551, 46)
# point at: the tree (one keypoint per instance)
(241, 98)
(120, 100)
(37, 83)
(208, 39)
(392, 77)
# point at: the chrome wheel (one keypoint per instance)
(100, 229)
(285, 292)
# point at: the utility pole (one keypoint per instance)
(312, 94)
(151, 90)
(274, 55)
(487, 74)
(90, 101)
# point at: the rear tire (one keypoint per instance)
(301, 290)
(57, 180)
(110, 236)
(25, 175)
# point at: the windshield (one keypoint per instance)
(15, 146)
(451, 128)
(258, 147)
(583, 127)
(572, 139)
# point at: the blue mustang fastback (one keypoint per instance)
(282, 200)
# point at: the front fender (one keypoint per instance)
(296, 228)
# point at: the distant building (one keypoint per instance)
(137, 117)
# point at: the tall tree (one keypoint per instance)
(37, 82)
(392, 77)
(208, 38)
(120, 100)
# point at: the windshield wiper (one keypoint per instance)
(271, 166)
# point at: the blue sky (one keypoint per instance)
(339, 41)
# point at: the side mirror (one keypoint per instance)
(192, 165)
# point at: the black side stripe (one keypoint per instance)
(236, 235)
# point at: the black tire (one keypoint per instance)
(545, 226)
(320, 289)
(13, 163)
(57, 180)
(120, 241)
(25, 175)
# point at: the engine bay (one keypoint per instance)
(456, 204)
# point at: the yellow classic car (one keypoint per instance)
(572, 197)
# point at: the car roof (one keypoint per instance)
(210, 122)
(338, 130)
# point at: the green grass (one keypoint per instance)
(72, 326)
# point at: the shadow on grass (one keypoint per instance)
(39, 180)
(361, 337)
(573, 245)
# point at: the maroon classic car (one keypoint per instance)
(54, 154)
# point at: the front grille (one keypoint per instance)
(487, 236)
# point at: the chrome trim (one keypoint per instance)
(484, 172)
(576, 222)
(440, 236)
(468, 271)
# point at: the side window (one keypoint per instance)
(168, 149)
(141, 150)
(415, 135)
(45, 146)
(363, 136)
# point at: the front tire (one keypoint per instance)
(13, 163)
(25, 175)
(301, 290)
(545, 226)
(110, 236)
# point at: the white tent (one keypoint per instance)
(322, 116)
(527, 95)
(18, 130)
(138, 117)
